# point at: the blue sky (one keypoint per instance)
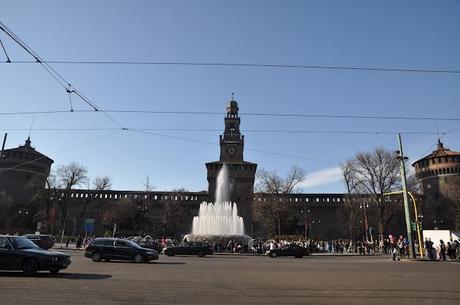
(409, 34)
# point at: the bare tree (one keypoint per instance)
(351, 183)
(174, 212)
(69, 176)
(451, 207)
(376, 173)
(275, 209)
(100, 184)
(148, 187)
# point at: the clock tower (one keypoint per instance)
(241, 173)
(232, 142)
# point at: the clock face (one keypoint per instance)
(231, 150)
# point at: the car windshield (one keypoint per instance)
(22, 243)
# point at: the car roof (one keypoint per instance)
(8, 235)
(108, 238)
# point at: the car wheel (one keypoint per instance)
(138, 258)
(299, 256)
(96, 257)
(30, 267)
(201, 254)
(273, 255)
(170, 253)
(55, 270)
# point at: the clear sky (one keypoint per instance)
(403, 34)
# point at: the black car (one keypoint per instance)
(43, 241)
(189, 248)
(291, 250)
(118, 249)
(19, 253)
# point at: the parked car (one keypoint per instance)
(43, 241)
(189, 248)
(19, 253)
(118, 249)
(291, 250)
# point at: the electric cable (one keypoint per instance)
(58, 77)
(247, 65)
(60, 151)
(298, 115)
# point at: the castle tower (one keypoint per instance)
(241, 173)
(439, 174)
(23, 171)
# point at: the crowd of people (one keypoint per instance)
(396, 247)
(442, 252)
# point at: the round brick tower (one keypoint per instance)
(23, 171)
(439, 174)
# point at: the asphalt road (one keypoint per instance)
(229, 279)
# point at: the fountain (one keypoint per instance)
(219, 220)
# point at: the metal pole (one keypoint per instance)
(416, 218)
(406, 199)
(417, 223)
(114, 229)
(3, 146)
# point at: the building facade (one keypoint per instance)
(439, 174)
(23, 171)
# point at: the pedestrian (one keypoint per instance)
(401, 247)
(429, 249)
(442, 250)
(451, 251)
(79, 242)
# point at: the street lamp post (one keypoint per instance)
(304, 212)
(318, 222)
(406, 200)
(418, 219)
(366, 223)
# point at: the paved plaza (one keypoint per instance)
(232, 279)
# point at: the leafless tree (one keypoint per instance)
(276, 187)
(99, 184)
(174, 212)
(351, 183)
(148, 186)
(69, 176)
(376, 173)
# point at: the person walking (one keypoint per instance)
(442, 250)
(429, 249)
(401, 247)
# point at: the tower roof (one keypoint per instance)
(27, 148)
(232, 107)
(440, 151)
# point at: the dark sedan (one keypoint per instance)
(19, 253)
(189, 248)
(118, 249)
(291, 250)
(42, 241)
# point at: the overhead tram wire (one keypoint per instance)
(317, 131)
(299, 115)
(8, 60)
(58, 77)
(62, 150)
(247, 149)
(247, 65)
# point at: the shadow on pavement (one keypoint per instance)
(169, 263)
(69, 276)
